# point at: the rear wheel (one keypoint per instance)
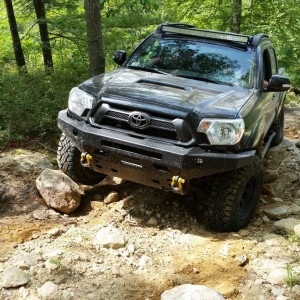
(234, 196)
(68, 158)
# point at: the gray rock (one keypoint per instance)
(152, 222)
(287, 225)
(109, 237)
(270, 176)
(265, 219)
(293, 177)
(277, 199)
(277, 292)
(282, 297)
(144, 260)
(52, 264)
(48, 290)
(14, 277)
(40, 214)
(191, 292)
(130, 248)
(295, 208)
(296, 288)
(112, 197)
(59, 191)
(242, 260)
(297, 230)
(277, 276)
(277, 211)
(53, 232)
(28, 260)
(268, 189)
(297, 144)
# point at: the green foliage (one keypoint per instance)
(281, 21)
(30, 103)
(291, 278)
(291, 98)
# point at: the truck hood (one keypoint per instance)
(170, 94)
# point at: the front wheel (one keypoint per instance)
(234, 196)
(68, 158)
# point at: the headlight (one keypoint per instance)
(79, 101)
(222, 132)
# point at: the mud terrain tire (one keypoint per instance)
(68, 158)
(234, 196)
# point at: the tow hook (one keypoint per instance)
(86, 159)
(177, 183)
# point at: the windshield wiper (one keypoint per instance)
(148, 69)
(204, 79)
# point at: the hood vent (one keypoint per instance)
(167, 84)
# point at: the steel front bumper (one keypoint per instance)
(146, 161)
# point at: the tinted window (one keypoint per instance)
(197, 60)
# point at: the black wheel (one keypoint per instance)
(234, 196)
(68, 158)
(277, 127)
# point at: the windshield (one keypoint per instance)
(196, 60)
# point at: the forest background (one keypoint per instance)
(32, 93)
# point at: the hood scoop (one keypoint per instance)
(166, 84)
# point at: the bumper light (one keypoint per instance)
(222, 132)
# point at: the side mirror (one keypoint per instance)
(119, 57)
(279, 83)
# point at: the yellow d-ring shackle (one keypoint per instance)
(177, 183)
(86, 159)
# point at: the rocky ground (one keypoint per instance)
(126, 241)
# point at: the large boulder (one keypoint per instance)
(59, 191)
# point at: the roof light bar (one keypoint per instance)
(208, 34)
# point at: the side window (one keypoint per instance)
(267, 71)
(273, 61)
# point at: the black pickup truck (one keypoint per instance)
(188, 109)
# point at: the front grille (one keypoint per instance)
(117, 115)
(162, 124)
(158, 127)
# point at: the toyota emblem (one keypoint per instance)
(139, 120)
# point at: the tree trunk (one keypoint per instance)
(94, 36)
(40, 12)
(236, 15)
(19, 55)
